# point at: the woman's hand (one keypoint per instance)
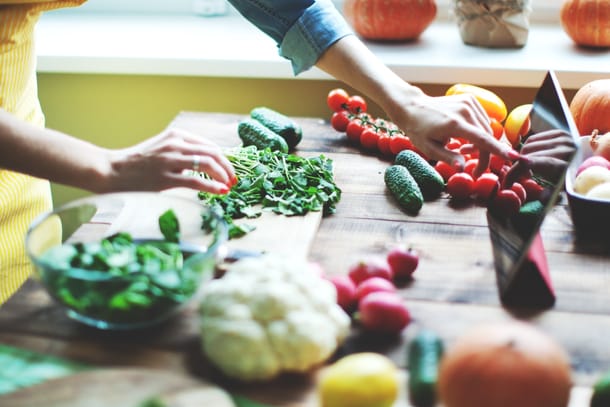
(431, 121)
(171, 159)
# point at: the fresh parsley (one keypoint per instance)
(283, 183)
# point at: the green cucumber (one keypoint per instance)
(254, 133)
(404, 188)
(287, 128)
(425, 353)
(427, 177)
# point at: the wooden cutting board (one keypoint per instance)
(120, 387)
(273, 233)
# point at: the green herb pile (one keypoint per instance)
(119, 280)
(274, 181)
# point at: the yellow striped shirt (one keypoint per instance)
(21, 197)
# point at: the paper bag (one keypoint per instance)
(493, 23)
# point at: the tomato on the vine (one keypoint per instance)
(460, 185)
(354, 129)
(400, 142)
(369, 138)
(337, 99)
(339, 120)
(486, 186)
(383, 143)
(444, 169)
(356, 104)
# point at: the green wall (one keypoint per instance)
(120, 110)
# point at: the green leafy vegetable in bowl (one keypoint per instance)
(125, 280)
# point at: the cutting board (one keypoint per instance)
(273, 233)
(120, 387)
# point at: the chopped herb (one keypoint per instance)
(274, 181)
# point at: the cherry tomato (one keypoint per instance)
(520, 191)
(356, 104)
(383, 143)
(400, 142)
(337, 99)
(470, 165)
(496, 163)
(460, 185)
(354, 129)
(505, 203)
(453, 144)
(444, 169)
(486, 186)
(533, 190)
(340, 120)
(369, 138)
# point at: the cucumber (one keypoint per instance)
(425, 353)
(287, 128)
(254, 133)
(429, 180)
(404, 188)
(601, 392)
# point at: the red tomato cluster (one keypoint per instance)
(373, 134)
(487, 187)
(368, 290)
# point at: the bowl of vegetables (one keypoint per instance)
(126, 260)
(588, 187)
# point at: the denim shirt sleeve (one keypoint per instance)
(303, 29)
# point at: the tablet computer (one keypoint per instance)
(519, 259)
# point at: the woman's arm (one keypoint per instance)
(155, 164)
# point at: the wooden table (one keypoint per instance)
(454, 288)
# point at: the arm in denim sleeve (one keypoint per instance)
(303, 29)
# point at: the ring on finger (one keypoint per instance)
(196, 162)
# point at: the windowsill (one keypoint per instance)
(228, 47)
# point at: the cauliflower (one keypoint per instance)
(267, 315)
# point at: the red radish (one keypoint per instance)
(403, 262)
(593, 161)
(383, 312)
(346, 291)
(374, 284)
(370, 267)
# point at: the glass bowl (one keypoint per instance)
(107, 261)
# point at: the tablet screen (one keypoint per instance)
(512, 236)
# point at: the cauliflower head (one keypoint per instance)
(268, 315)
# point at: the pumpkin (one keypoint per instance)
(389, 20)
(590, 107)
(587, 22)
(505, 365)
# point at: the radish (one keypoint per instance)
(346, 292)
(383, 312)
(374, 284)
(371, 267)
(596, 160)
(403, 262)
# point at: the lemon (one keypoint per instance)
(365, 379)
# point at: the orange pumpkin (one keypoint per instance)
(389, 20)
(587, 22)
(590, 107)
(505, 365)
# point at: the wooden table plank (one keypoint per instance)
(454, 287)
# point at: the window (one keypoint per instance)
(544, 11)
